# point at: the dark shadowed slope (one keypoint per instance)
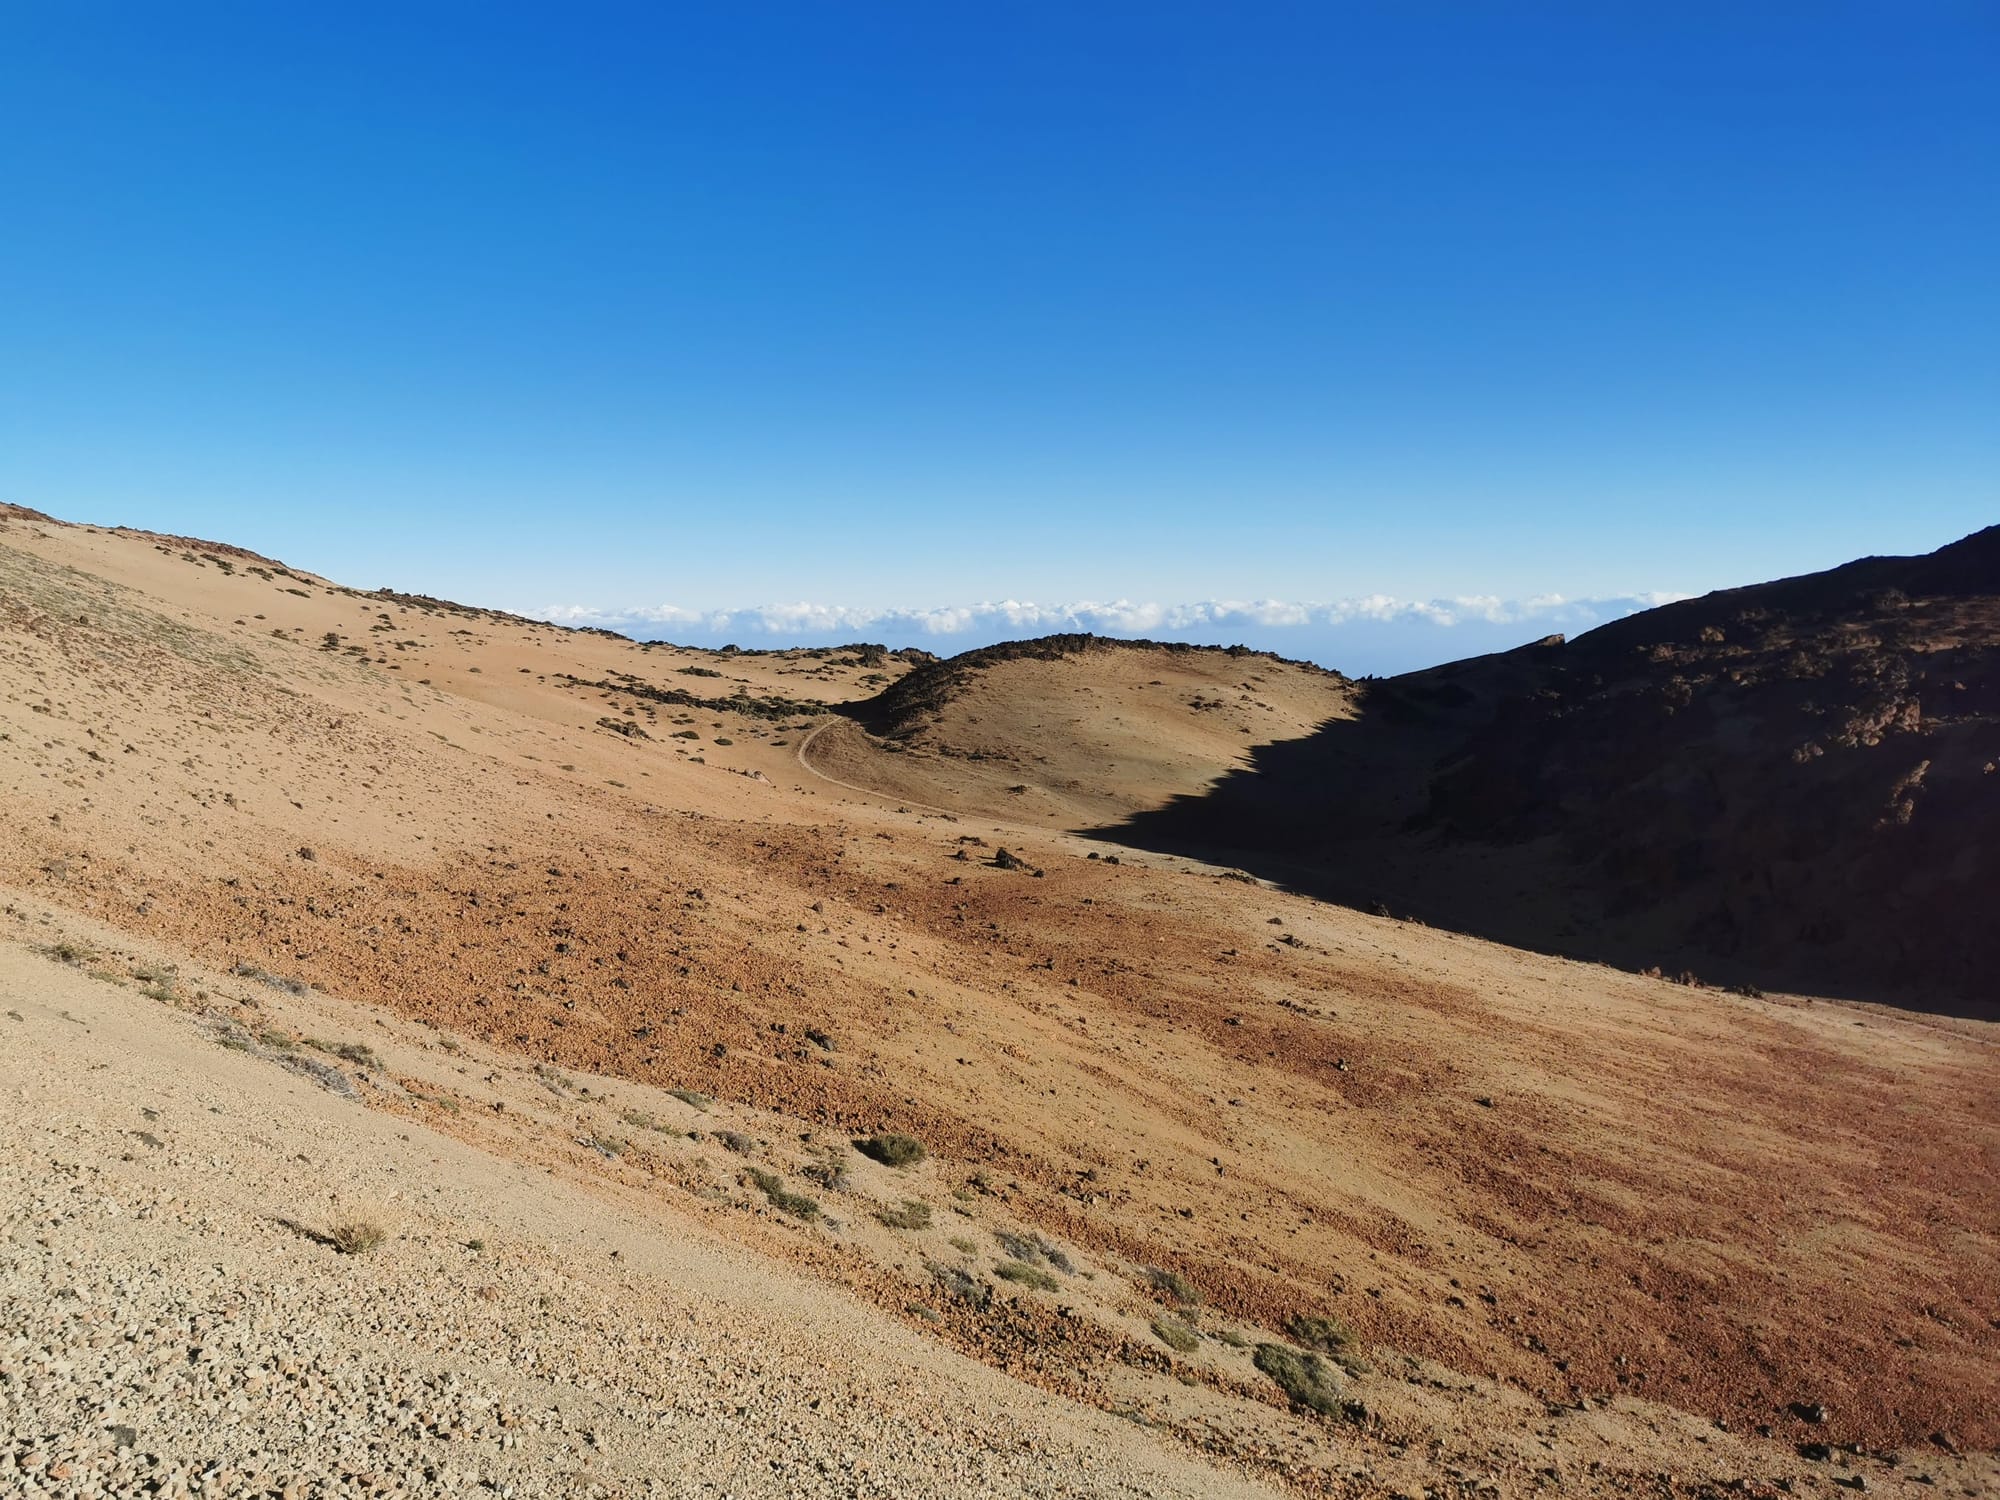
(1792, 784)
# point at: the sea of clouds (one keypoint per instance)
(1376, 634)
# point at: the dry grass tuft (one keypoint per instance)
(356, 1234)
(1023, 1274)
(1176, 1335)
(1332, 1337)
(911, 1215)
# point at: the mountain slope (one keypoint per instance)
(1071, 731)
(1792, 784)
(466, 873)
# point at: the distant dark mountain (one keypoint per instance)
(1795, 784)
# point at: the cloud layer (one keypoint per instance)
(790, 622)
(1387, 633)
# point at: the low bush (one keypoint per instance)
(892, 1150)
(1306, 1378)
(960, 1286)
(1174, 1285)
(779, 1197)
(1035, 1250)
(911, 1215)
(358, 1053)
(1025, 1275)
(1176, 1335)
(831, 1175)
(1333, 1337)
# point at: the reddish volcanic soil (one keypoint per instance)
(1508, 1172)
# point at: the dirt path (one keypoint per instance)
(849, 786)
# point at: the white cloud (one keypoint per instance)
(996, 619)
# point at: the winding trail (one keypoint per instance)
(806, 744)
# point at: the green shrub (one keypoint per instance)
(798, 1205)
(892, 1150)
(1330, 1336)
(1174, 1285)
(1025, 1275)
(779, 1197)
(1176, 1335)
(1306, 1378)
(911, 1215)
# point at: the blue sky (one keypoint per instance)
(891, 307)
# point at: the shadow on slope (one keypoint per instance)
(1795, 785)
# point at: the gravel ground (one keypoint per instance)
(138, 1359)
(173, 1322)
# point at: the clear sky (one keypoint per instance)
(915, 306)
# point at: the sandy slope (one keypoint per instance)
(1575, 1217)
(158, 1274)
(1078, 738)
(1790, 785)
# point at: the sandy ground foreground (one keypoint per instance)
(173, 1326)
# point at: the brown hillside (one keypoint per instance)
(1073, 731)
(589, 914)
(1792, 785)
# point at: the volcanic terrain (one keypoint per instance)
(577, 967)
(1792, 785)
